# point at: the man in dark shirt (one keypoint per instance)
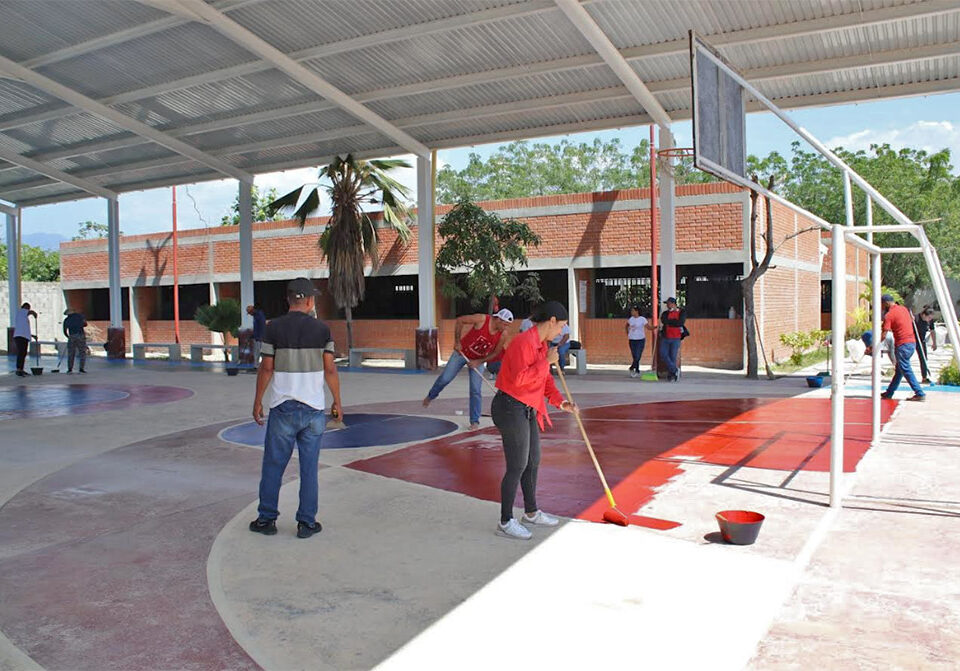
(259, 326)
(73, 327)
(924, 323)
(298, 357)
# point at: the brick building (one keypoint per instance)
(595, 256)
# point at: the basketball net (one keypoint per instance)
(666, 162)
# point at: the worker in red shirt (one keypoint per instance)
(899, 320)
(519, 411)
(477, 340)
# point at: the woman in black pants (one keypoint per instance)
(519, 411)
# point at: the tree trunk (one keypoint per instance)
(349, 314)
(490, 304)
(750, 329)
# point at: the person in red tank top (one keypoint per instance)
(519, 411)
(477, 339)
(671, 334)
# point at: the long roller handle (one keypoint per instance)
(583, 432)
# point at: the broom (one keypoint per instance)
(613, 515)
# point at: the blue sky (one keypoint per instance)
(931, 122)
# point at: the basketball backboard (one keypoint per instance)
(719, 114)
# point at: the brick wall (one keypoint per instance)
(713, 342)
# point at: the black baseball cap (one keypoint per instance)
(672, 300)
(886, 298)
(301, 288)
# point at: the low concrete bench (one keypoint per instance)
(140, 349)
(409, 355)
(59, 345)
(581, 355)
(197, 351)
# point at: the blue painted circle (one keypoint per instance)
(363, 430)
(51, 397)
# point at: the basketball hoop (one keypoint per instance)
(665, 157)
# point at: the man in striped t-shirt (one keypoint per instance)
(297, 357)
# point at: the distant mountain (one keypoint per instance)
(44, 240)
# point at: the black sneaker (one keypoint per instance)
(886, 396)
(265, 527)
(83, 371)
(22, 373)
(305, 530)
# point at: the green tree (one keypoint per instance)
(92, 230)
(479, 253)
(522, 169)
(224, 317)
(351, 236)
(259, 208)
(36, 264)
(922, 185)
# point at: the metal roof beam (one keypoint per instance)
(246, 39)
(857, 19)
(83, 102)
(121, 36)
(877, 58)
(56, 174)
(587, 27)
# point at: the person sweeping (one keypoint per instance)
(519, 411)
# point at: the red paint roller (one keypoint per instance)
(612, 514)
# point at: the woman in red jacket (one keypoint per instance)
(519, 411)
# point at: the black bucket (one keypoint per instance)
(739, 527)
(232, 371)
(36, 371)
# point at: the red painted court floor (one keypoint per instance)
(640, 447)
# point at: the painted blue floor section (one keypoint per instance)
(904, 387)
(49, 397)
(363, 430)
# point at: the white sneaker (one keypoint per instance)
(513, 529)
(540, 519)
(633, 373)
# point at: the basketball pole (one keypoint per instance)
(654, 244)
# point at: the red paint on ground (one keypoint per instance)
(641, 447)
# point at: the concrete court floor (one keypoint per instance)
(123, 545)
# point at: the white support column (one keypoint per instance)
(246, 253)
(427, 335)
(426, 274)
(113, 262)
(136, 329)
(574, 307)
(668, 230)
(875, 381)
(13, 254)
(839, 327)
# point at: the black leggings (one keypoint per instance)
(521, 449)
(21, 351)
(924, 369)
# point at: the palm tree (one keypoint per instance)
(351, 235)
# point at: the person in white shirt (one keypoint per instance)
(562, 343)
(22, 335)
(636, 328)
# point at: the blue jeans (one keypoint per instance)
(636, 351)
(288, 423)
(456, 362)
(669, 349)
(904, 370)
(562, 351)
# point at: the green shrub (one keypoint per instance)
(861, 323)
(950, 375)
(798, 342)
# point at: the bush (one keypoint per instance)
(861, 324)
(798, 342)
(950, 375)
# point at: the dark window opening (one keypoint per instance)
(98, 304)
(394, 297)
(271, 296)
(705, 291)
(553, 287)
(192, 296)
(826, 296)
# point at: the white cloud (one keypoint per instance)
(931, 136)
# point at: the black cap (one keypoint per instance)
(301, 288)
(886, 298)
(550, 309)
(672, 300)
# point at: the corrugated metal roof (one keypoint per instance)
(446, 71)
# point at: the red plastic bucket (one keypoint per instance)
(739, 527)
